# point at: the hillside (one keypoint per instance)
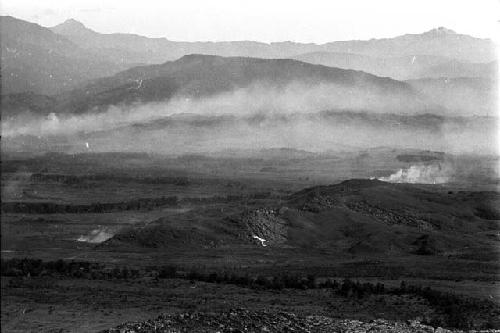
(201, 75)
(359, 217)
(34, 59)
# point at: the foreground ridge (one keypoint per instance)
(243, 320)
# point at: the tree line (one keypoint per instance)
(97, 207)
(452, 310)
(79, 179)
(108, 207)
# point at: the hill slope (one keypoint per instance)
(352, 217)
(202, 75)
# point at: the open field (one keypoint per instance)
(439, 236)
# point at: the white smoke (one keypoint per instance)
(293, 98)
(420, 174)
(289, 118)
(98, 235)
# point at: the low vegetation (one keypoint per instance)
(450, 310)
(98, 207)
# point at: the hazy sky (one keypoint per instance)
(266, 20)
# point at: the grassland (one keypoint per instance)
(207, 230)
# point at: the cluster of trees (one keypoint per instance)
(107, 207)
(346, 287)
(228, 198)
(79, 179)
(28, 267)
(55, 208)
(451, 310)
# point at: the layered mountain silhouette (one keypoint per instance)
(85, 70)
(440, 42)
(204, 75)
(34, 59)
(437, 42)
(402, 68)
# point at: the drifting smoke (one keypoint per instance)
(96, 236)
(256, 99)
(421, 174)
(260, 117)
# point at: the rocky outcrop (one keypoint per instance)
(265, 226)
(388, 216)
(243, 320)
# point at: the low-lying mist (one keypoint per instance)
(315, 118)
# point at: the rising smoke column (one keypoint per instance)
(420, 174)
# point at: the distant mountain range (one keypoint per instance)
(37, 60)
(73, 53)
(81, 69)
(133, 48)
(404, 67)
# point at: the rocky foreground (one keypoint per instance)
(242, 320)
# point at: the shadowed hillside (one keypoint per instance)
(360, 217)
(199, 75)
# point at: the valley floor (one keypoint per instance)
(141, 217)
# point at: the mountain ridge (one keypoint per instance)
(407, 67)
(70, 70)
(38, 60)
(442, 40)
(206, 75)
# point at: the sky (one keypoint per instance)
(316, 21)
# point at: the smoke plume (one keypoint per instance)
(421, 174)
(259, 117)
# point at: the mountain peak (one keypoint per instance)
(71, 27)
(440, 31)
(73, 22)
